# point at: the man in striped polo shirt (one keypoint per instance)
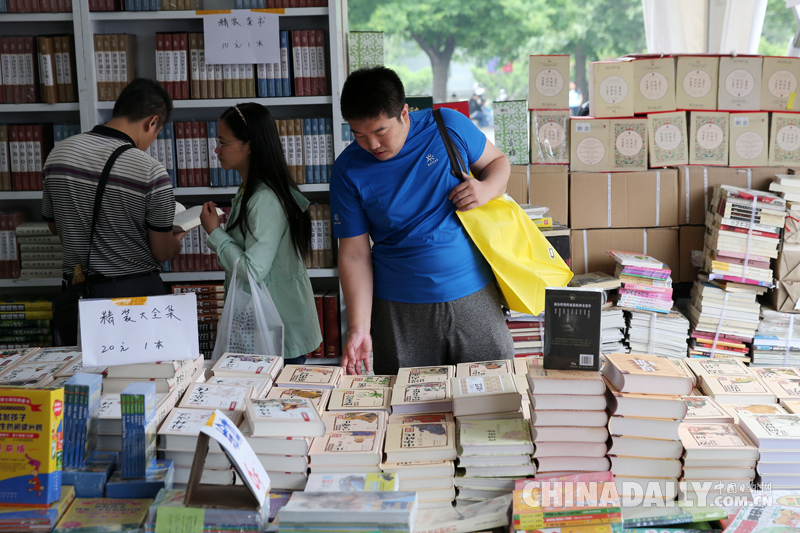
(134, 225)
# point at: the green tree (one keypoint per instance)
(779, 29)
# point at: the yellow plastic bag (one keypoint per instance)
(523, 260)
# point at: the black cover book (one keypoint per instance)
(573, 334)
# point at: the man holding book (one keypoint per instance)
(134, 232)
(422, 294)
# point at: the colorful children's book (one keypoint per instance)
(93, 515)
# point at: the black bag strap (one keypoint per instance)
(98, 196)
(456, 162)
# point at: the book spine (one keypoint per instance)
(308, 159)
(181, 154)
(202, 68)
(320, 351)
(330, 304)
(297, 60)
(284, 88)
(322, 78)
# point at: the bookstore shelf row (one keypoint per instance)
(179, 191)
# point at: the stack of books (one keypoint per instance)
(166, 375)
(784, 382)
(778, 439)
(280, 433)
(248, 366)
(109, 436)
(473, 517)
(35, 367)
(417, 469)
(239, 520)
(364, 511)
(568, 419)
(715, 454)
(743, 232)
(728, 381)
(527, 331)
(81, 411)
(138, 404)
(614, 325)
(777, 339)
(787, 186)
(646, 282)
(16, 333)
(34, 518)
(492, 453)
(724, 317)
(657, 333)
(423, 389)
(646, 406)
(210, 296)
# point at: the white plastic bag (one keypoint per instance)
(250, 323)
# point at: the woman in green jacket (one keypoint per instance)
(269, 228)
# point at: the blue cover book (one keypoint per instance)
(286, 76)
(211, 127)
(58, 129)
(138, 402)
(90, 480)
(169, 145)
(159, 475)
(82, 395)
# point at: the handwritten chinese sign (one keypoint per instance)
(241, 36)
(125, 331)
(220, 428)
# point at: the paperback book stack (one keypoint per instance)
(81, 411)
(15, 333)
(729, 381)
(210, 301)
(248, 366)
(657, 333)
(612, 320)
(527, 331)
(418, 468)
(423, 389)
(138, 404)
(35, 367)
(715, 454)
(109, 431)
(339, 451)
(784, 382)
(646, 282)
(778, 439)
(777, 339)
(38, 251)
(9, 258)
(167, 376)
(365, 512)
(567, 419)
(179, 433)
(314, 382)
(280, 433)
(646, 406)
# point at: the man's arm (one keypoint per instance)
(355, 275)
(492, 170)
(164, 244)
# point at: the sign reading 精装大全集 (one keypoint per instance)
(241, 36)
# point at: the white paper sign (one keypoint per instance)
(241, 36)
(124, 331)
(220, 428)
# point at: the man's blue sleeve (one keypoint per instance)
(465, 134)
(349, 219)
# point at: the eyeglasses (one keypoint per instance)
(220, 144)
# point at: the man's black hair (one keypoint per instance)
(371, 93)
(143, 98)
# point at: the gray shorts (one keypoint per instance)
(471, 328)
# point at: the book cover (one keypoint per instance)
(401, 437)
(548, 82)
(784, 139)
(319, 397)
(355, 421)
(222, 397)
(668, 139)
(708, 138)
(698, 436)
(550, 137)
(248, 365)
(421, 393)
(366, 382)
(344, 442)
(749, 139)
(740, 83)
(483, 368)
(128, 515)
(424, 374)
(270, 414)
(696, 82)
(310, 376)
(494, 433)
(511, 130)
(370, 482)
(654, 80)
(572, 329)
(628, 144)
(359, 399)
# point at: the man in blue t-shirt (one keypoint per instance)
(422, 294)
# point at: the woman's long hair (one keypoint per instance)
(268, 166)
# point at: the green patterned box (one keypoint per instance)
(628, 144)
(709, 138)
(550, 137)
(784, 140)
(365, 49)
(511, 130)
(666, 135)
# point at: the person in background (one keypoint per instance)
(422, 294)
(269, 227)
(134, 227)
(575, 99)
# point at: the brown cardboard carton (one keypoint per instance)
(548, 82)
(696, 82)
(517, 187)
(784, 139)
(589, 145)
(691, 240)
(550, 137)
(627, 144)
(695, 185)
(749, 139)
(788, 263)
(667, 138)
(740, 83)
(779, 80)
(549, 185)
(611, 89)
(589, 246)
(624, 199)
(786, 296)
(654, 81)
(708, 138)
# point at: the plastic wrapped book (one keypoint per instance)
(215, 520)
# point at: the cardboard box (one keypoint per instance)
(779, 80)
(696, 82)
(548, 82)
(708, 138)
(550, 137)
(786, 296)
(611, 89)
(667, 138)
(654, 81)
(740, 83)
(691, 240)
(624, 199)
(589, 246)
(749, 139)
(627, 146)
(511, 130)
(588, 150)
(696, 184)
(549, 185)
(517, 187)
(784, 139)
(787, 266)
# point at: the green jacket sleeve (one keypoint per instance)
(267, 224)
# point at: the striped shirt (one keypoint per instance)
(138, 197)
